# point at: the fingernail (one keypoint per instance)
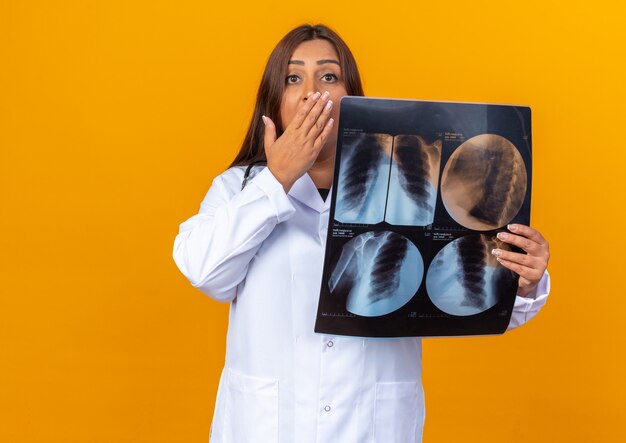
(496, 252)
(329, 104)
(326, 95)
(511, 227)
(502, 235)
(315, 96)
(264, 118)
(331, 122)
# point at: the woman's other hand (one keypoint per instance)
(530, 266)
(294, 152)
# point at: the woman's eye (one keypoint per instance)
(292, 78)
(330, 78)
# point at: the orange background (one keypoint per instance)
(116, 115)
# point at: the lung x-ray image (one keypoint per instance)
(465, 278)
(413, 181)
(385, 178)
(363, 178)
(376, 273)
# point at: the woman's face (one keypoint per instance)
(314, 66)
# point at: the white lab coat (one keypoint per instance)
(262, 250)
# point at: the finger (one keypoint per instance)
(321, 139)
(515, 257)
(530, 274)
(320, 125)
(527, 232)
(270, 132)
(304, 110)
(526, 244)
(311, 119)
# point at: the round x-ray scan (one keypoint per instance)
(377, 273)
(465, 278)
(484, 182)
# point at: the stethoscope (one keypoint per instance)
(246, 175)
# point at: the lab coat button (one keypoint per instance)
(330, 344)
(327, 408)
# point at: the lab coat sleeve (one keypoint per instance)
(526, 308)
(214, 248)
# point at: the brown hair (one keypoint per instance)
(272, 85)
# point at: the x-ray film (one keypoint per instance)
(421, 190)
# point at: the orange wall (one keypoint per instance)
(116, 115)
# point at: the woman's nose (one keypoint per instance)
(308, 89)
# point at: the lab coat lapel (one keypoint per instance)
(304, 190)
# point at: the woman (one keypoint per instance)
(261, 248)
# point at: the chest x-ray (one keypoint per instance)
(413, 181)
(388, 178)
(465, 278)
(422, 189)
(363, 178)
(376, 273)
